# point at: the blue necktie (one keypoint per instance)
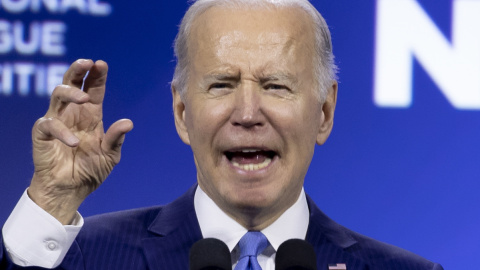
(251, 244)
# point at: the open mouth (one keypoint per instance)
(250, 159)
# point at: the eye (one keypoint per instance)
(276, 87)
(219, 89)
(220, 86)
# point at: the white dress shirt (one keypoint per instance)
(33, 237)
(214, 223)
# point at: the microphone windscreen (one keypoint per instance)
(295, 254)
(210, 254)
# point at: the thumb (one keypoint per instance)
(114, 137)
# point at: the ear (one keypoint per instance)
(179, 115)
(328, 110)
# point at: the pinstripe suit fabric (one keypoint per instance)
(160, 238)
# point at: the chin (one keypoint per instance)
(251, 201)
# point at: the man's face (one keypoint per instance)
(251, 112)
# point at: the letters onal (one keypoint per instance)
(405, 30)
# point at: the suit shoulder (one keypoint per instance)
(374, 254)
(126, 221)
(380, 255)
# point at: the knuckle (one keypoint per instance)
(58, 90)
(41, 125)
(41, 121)
(62, 92)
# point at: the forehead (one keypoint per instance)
(218, 18)
(274, 33)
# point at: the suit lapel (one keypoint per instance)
(330, 241)
(176, 229)
(172, 233)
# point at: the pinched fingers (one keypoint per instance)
(51, 128)
(113, 140)
(64, 95)
(76, 72)
(95, 82)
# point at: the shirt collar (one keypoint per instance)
(214, 223)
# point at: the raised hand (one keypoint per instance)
(71, 153)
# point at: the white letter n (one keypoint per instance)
(404, 31)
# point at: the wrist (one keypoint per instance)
(62, 204)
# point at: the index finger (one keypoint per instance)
(76, 72)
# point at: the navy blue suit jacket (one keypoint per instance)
(160, 238)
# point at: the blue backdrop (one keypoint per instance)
(404, 174)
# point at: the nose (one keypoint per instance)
(248, 112)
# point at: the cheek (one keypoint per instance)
(204, 119)
(298, 124)
(291, 118)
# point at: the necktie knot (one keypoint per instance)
(251, 244)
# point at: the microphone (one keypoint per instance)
(295, 254)
(210, 254)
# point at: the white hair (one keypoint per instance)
(325, 68)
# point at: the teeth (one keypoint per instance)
(252, 167)
(249, 150)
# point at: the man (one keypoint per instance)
(254, 90)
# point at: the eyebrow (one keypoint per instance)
(280, 76)
(262, 78)
(222, 77)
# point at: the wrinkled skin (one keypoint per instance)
(71, 153)
(252, 88)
